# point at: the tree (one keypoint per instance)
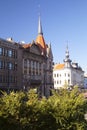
(69, 109)
(10, 106)
(64, 110)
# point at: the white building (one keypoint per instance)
(68, 73)
(85, 81)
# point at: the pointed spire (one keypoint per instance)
(67, 52)
(40, 27)
(40, 39)
(50, 51)
(67, 60)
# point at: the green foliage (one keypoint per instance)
(64, 110)
(69, 109)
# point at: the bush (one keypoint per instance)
(64, 110)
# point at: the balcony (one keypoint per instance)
(35, 79)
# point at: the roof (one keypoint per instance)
(40, 40)
(26, 45)
(58, 66)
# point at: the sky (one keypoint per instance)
(63, 22)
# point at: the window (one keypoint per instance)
(29, 72)
(6, 52)
(57, 82)
(15, 66)
(1, 78)
(15, 54)
(40, 65)
(1, 51)
(60, 81)
(57, 75)
(31, 64)
(10, 53)
(34, 64)
(68, 81)
(68, 75)
(10, 66)
(25, 63)
(36, 68)
(1, 64)
(54, 75)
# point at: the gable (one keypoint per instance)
(35, 49)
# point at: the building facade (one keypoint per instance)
(85, 81)
(68, 73)
(9, 65)
(28, 65)
(38, 64)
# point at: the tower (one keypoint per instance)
(40, 39)
(46, 51)
(67, 60)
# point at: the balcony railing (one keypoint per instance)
(35, 77)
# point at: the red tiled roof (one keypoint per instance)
(40, 40)
(58, 66)
(26, 45)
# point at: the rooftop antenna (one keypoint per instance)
(39, 10)
(67, 51)
(67, 42)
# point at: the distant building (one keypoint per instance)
(68, 73)
(26, 65)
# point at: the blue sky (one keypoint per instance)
(63, 21)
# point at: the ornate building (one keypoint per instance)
(25, 66)
(68, 73)
(38, 64)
